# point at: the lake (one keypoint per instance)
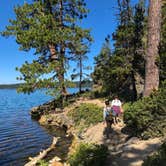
(20, 136)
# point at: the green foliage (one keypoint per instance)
(98, 94)
(42, 163)
(101, 63)
(87, 114)
(89, 155)
(147, 117)
(157, 159)
(129, 49)
(116, 72)
(78, 72)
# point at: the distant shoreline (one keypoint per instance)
(15, 86)
(9, 86)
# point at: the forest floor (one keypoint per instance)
(123, 149)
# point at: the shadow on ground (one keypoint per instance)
(126, 150)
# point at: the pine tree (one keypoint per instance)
(50, 29)
(78, 72)
(152, 52)
(102, 66)
(138, 62)
(129, 47)
(162, 48)
(124, 50)
(120, 73)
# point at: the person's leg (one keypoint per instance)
(107, 128)
(116, 119)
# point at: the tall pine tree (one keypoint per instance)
(101, 74)
(123, 37)
(138, 60)
(121, 72)
(79, 71)
(51, 29)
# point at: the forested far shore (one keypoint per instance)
(74, 84)
(9, 86)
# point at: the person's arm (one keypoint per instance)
(104, 115)
(121, 108)
(112, 103)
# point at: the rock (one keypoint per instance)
(55, 160)
(43, 120)
(56, 163)
(34, 109)
(49, 120)
(132, 140)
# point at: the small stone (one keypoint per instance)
(56, 163)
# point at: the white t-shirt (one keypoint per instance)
(116, 102)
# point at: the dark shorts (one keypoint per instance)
(109, 119)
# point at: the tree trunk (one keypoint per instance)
(80, 83)
(61, 72)
(53, 52)
(134, 95)
(151, 68)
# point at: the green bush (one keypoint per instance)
(157, 159)
(42, 163)
(86, 113)
(147, 117)
(89, 155)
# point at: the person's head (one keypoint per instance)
(116, 97)
(107, 102)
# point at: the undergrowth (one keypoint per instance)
(89, 155)
(147, 117)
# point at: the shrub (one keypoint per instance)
(147, 117)
(89, 155)
(42, 163)
(157, 159)
(86, 113)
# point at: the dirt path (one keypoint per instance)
(124, 151)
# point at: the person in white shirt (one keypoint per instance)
(116, 106)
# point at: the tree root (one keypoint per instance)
(33, 161)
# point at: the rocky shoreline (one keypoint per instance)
(51, 115)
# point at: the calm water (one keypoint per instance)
(20, 136)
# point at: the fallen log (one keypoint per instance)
(42, 154)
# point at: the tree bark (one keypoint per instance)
(61, 72)
(151, 67)
(80, 82)
(134, 96)
(53, 52)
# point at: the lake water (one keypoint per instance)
(20, 136)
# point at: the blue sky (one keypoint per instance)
(101, 19)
